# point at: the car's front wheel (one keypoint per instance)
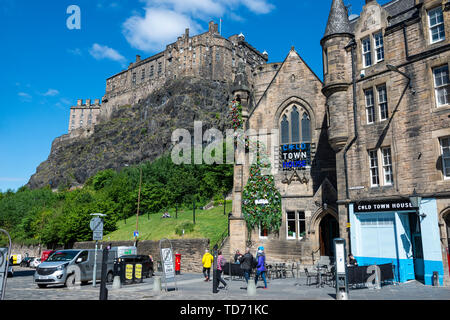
(70, 281)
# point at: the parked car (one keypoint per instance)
(26, 262)
(147, 263)
(35, 262)
(65, 266)
(10, 271)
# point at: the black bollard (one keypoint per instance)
(215, 277)
(103, 289)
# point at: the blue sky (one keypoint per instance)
(46, 66)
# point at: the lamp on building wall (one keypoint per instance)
(415, 201)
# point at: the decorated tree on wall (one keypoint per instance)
(261, 205)
(236, 115)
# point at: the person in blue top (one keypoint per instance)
(261, 266)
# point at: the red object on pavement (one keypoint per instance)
(448, 260)
(177, 263)
(46, 254)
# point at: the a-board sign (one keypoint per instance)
(167, 262)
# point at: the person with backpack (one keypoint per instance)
(220, 264)
(247, 262)
(261, 266)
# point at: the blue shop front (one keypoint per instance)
(393, 231)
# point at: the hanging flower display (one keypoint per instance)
(261, 205)
(236, 115)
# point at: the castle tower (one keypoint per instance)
(337, 72)
(238, 227)
(337, 83)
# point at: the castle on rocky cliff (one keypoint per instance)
(207, 55)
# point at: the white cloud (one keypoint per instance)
(258, 6)
(24, 97)
(101, 52)
(51, 93)
(157, 28)
(165, 20)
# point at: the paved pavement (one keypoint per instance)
(193, 287)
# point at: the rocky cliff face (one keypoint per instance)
(135, 133)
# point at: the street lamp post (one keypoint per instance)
(98, 215)
(193, 209)
(139, 201)
(224, 203)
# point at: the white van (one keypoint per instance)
(68, 266)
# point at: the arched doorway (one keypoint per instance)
(328, 230)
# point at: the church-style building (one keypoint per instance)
(377, 131)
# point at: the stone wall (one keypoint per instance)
(191, 250)
(32, 251)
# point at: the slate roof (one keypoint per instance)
(338, 19)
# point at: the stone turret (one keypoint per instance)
(241, 89)
(337, 72)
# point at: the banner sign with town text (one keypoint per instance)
(296, 156)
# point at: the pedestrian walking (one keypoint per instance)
(247, 262)
(220, 264)
(261, 266)
(207, 261)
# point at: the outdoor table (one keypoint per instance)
(233, 269)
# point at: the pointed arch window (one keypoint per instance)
(306, 128)
(284, 130)
(295, 125)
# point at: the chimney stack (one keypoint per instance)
(88, 102)
(138, 58)
(79, 102)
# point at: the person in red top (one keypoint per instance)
(220, 265)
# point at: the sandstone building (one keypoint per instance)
(379, 124)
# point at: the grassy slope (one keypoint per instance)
(208, 224)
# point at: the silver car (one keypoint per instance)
(67, 267)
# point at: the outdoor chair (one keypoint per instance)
(290, 269)
(309, 276)
(283, 270)
(270, 271)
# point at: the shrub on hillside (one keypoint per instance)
(187, 226)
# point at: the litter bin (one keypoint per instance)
(177, 263)
(129, 270)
